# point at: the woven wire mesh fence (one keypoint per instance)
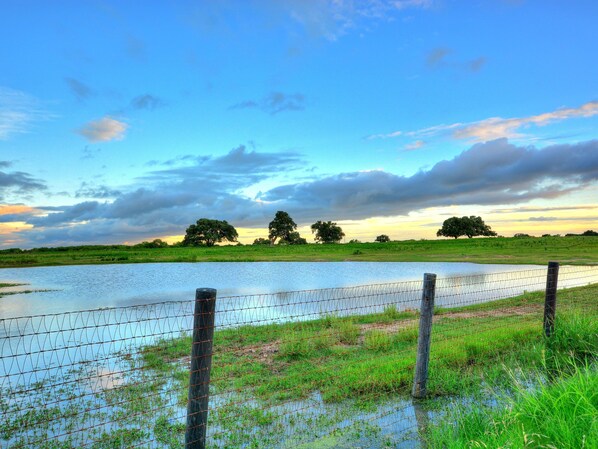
(286, 368)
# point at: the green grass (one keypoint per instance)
(354, 364)
(561, 415)
(373, 355)
(567, 250)
(554, 405)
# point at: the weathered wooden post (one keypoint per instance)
(423, 341)
(201, 363)
(552, 278)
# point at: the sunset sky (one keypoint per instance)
(123, 121)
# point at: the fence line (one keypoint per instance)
(287, 367)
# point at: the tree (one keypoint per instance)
(471, 226)
(294, 239)
(206, 232)
(156, 243)
(327, 232)
(261, 241)
(383, 238)
(281, 227)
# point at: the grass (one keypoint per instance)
(551, 406)
(264, 378)
(370, 356)
(567, 250)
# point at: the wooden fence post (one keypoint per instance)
(423, 342)
(552, 278)
(201, 363)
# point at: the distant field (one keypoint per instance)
(567, 250)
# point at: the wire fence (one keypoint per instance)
(286, 368)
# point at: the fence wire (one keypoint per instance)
(287, 368)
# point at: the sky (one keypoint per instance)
(125, 121)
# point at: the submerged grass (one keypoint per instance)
(554, 405)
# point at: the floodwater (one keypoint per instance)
(83, 287)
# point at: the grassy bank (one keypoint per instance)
(368, 360)
(567, 250)
(563, 415)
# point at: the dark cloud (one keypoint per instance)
(169, 200)
(274, 102)
(102, 192)
(490, 173)
(148, 102)
(540, 209)
(17, 181)
(165, 201)
(80, 90)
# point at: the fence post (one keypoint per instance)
(552, 278)
(423, 341)
(201, 363)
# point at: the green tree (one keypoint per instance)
(206, 232)
(281, 227)
(471, 226)
(327, 232)
(383, 238)
(261, 241)
(294, 239)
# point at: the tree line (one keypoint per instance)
(282, 228)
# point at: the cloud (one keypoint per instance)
(476, 64)
(18, 112)
(104, 130)
(274, 102)
(526, 209)
(166, 201)
(498, 127)
(147, 101)
(17, 181)
(496, 172)
(135, 48)
(437, 56)
(414, 145)
(92, 191)
(80, 90)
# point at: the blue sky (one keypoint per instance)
(127, 121)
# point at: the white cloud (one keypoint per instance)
(18, 111)
(104, 130)
(498, 127)
(414, 145)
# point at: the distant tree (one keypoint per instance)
(383, 238)
(294, 239)
(261, 241)
(354, 241)
(471, 226)
(521, 235)
(156, 243)
(546, 235)
(281, 227)
(207, 232)
(590, 233)
(327, 232)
